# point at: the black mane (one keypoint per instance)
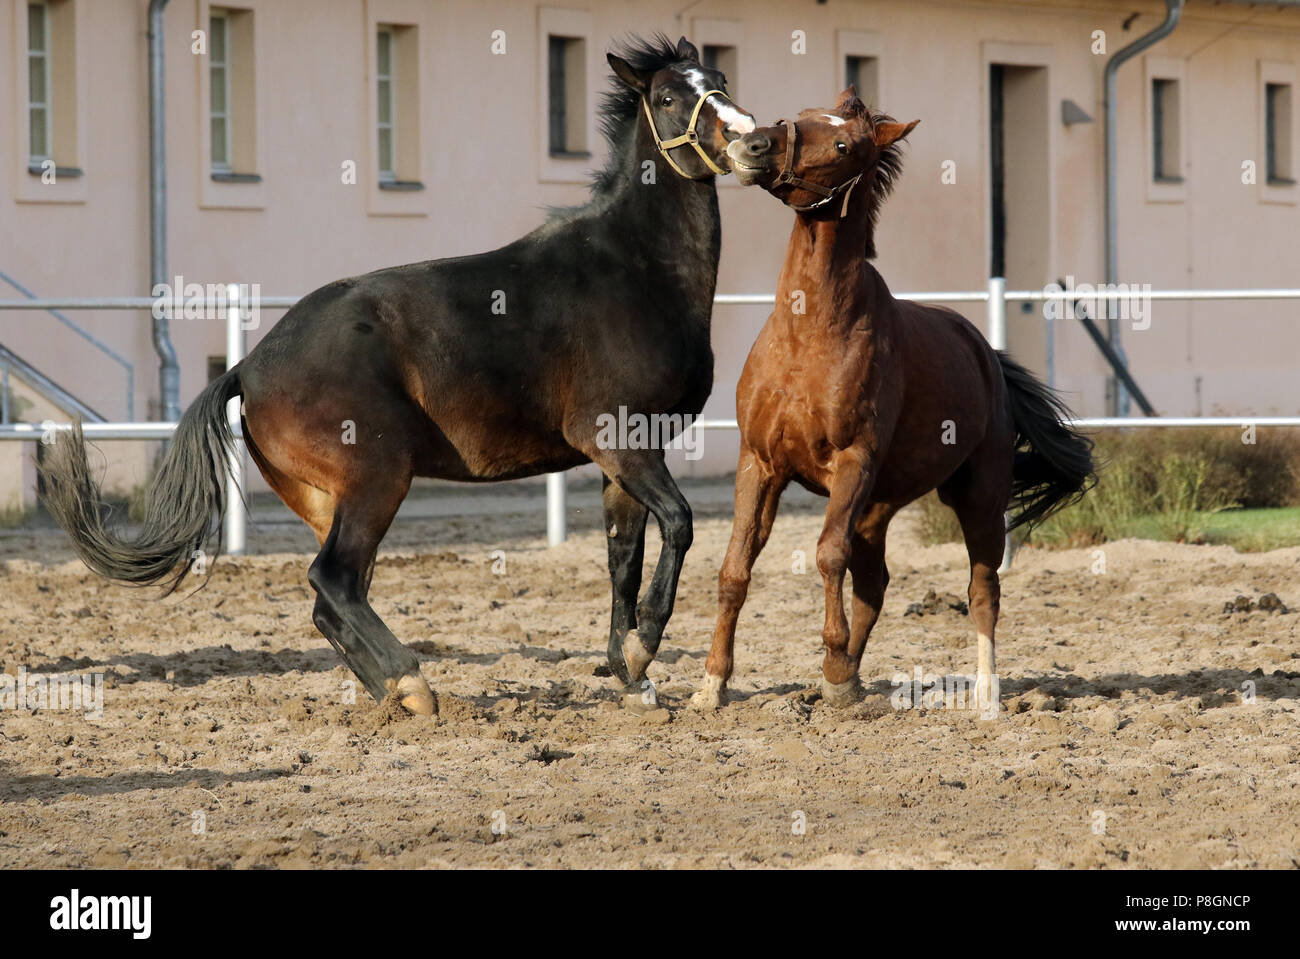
(889, 166)
(618, 111)
(890, 163)
(620, 105)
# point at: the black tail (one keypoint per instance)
(187, 492)
(1053, 462)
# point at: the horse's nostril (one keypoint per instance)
(756, 144)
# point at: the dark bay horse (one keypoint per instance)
(478, 368)
(873, 402)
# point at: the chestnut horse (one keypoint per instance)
(873, 402)
(479, 368)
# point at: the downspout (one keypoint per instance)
(1119, 397)
(169, 374)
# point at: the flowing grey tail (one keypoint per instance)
(183, 507)
(1053, 466)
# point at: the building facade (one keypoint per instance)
(312, 139)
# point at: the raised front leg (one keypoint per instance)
(758, 493)
(643, 475)
(870, 578)
(850, 487)
(625, 520)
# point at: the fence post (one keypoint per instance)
(998, 312)
(998, 340)
(556, 509)
(236, 523)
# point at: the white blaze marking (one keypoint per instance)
(835, 121)
(696, 79)
(734, 119)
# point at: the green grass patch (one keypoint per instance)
(1189, 486)
(1255, 530)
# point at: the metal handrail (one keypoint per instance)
(31, 303)
(11, 362)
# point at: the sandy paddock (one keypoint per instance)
(1129, 736)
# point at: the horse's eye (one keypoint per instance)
(668, 101)
(842, 148)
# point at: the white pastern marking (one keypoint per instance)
(835, 121)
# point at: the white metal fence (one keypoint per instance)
(996, 296)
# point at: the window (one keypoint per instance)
(725, 60)
(38, 84)
(1166, 132)
(1277, 134)
(567, 95)
(859, 55)
(52, 88)
(566, 66)
(397, 114)
(232, 96)
(384, 107)
(219, 93)
(860, 73)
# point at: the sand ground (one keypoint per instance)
(1142, 725)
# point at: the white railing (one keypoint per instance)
(996, 296)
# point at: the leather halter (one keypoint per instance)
(787, 175)
(689, 137)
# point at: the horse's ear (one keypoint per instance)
(686, 50)
(887, 133)
(849, 104)
(623, 70)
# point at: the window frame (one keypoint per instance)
(238, 185)
(1284, 189)
(713, 32)
(413, 27)
(860, 45)
(57, 176)
(1167, 184)
(725, 58)
(576, 162)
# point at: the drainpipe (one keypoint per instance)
(1119, 397)
(169, 374)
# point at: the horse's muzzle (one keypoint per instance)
(750, 159)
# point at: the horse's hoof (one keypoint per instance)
(712, 695)
(415, 695)
(637, 657)
(640, 697)
(842, 695)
